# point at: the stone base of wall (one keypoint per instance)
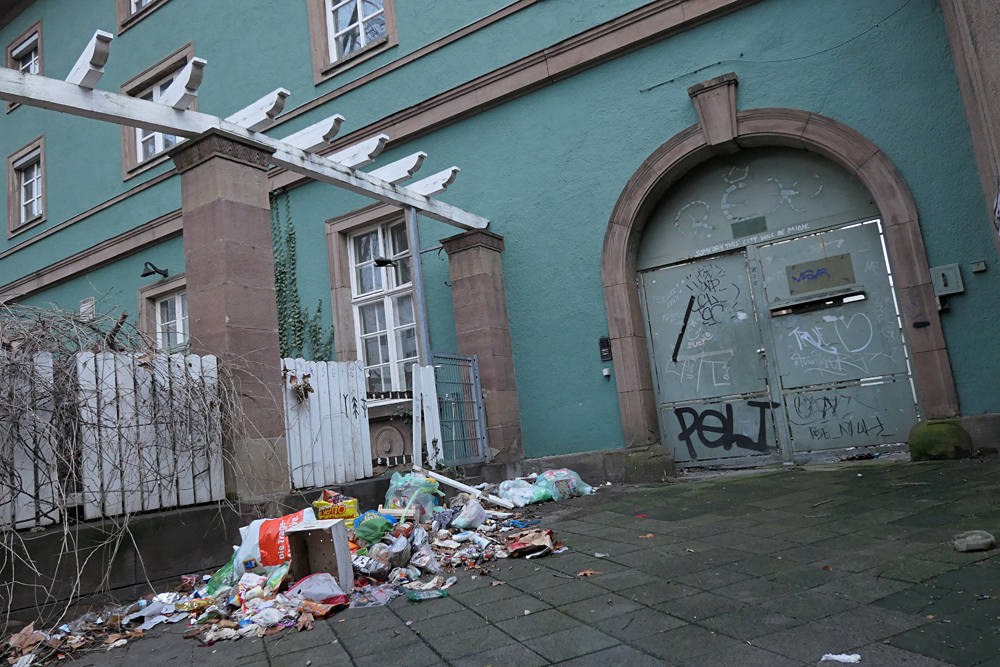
(652, 464)
(984, 431)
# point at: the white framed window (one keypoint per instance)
(149, 143)
(136, 5)
(26, 56)
(384, 314)
(29, 186)
(172, 322)
(353, 24)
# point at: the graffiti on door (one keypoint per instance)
(720, 426)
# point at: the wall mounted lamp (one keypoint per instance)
(149, 269)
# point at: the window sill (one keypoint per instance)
(26, 225)
(356, 58)
(144, 166)
(131, 20)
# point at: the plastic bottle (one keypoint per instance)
(402, 529)
(417, 596)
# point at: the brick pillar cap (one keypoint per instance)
(218, 143)
(472, 239)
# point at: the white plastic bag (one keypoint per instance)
(265, 544)
(471, 517)
(520, 492)
(319, 587)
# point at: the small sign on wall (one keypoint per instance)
(820, 274)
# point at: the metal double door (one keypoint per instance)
(780, 348)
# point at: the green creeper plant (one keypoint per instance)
(300, 334)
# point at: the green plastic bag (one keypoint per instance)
(224, 576)
(371, 526)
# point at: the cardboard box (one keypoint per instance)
(321, 546)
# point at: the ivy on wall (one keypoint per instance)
(300, 334)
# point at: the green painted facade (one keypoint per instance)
(546, 168)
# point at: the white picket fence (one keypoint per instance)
(135, 433)
(326, 429)
(152, 432)
(28, 458)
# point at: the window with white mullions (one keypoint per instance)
(150, 143)
(353, 24)
(29, 181)
(139, 4)
(383, 306)
(172, 322)
(25, 56)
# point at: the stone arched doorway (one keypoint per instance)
(723, 130)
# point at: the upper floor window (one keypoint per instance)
(143, 149)
(131, 12)
(24, 53)
(26, 187)
(346, 32)
(148, 142)
(172, 322)
(382, 297)
(26, 58)
(354, 24)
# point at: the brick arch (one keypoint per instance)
(729, 131)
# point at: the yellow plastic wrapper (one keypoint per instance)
(193, 605)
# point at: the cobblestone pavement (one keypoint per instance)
(774, 568)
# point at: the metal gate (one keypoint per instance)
(460, 402)
(780, 348)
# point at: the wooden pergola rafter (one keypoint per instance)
(78, 96)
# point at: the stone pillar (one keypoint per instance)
(232, 310)
(483, 329)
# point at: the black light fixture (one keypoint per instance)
(384, 261)
(149, 269)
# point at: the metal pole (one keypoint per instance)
(419, 296)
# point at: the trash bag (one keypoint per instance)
(561, 484)
(265, 542)
(522, 493)
(412, 489)
(320, 587)
(425, 559)
(365, 566)
(371, 526)
(399, 552)
(471, 517)
(224, 577)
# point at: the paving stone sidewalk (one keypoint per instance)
(774, 568)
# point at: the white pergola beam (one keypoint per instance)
(183, 91)
(261, 114)
(361, 155)
(55, 95)
(317, 136)
(400, 170)
(436, 184)
(89, 67)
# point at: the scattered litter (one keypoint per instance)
(974, 540)
(824, 502)
(117, 644)
(600, 555)
(641, 516)
(498, 583)
(841, 657)
(646, 536)
(587, 573)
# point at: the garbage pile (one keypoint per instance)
(282, 575)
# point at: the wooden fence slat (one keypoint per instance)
(86, 374)
(358, 421)
(128, 433)
(24, 465)
(166, 457)
(145, 406)
(217, 479)
(47, 473)
(309, 445)
(322, 441)
(197, 423)
(7, 484)
(341, 431)
(179, 421)
(432, 417)
(365, 468)
(293, 424)
(109, 444)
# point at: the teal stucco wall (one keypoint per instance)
(547, 168)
